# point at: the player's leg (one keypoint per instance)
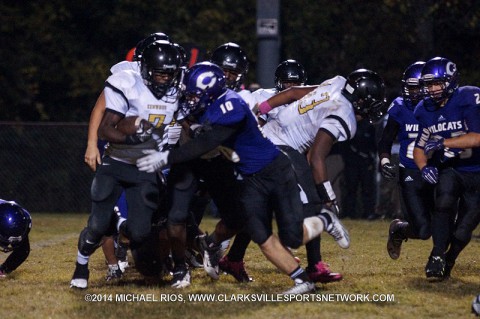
(182, 185)
(105, 191)
(447, 193)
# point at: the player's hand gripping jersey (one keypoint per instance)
(324, 108)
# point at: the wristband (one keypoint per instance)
(264, 107)
(325, 191)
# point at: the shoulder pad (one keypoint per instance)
(125, 65)
(123, 80)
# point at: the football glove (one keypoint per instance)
(389, 171)
(430, 174)
(153, 162)
(433, 145)
(141, 135)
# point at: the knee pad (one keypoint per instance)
(423, 232)
(463, 234)
(102, 188)
(88, 242)
(182, 179)
(291, 240)
(138, 238)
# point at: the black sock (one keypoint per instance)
(239, 246)
(313, 252)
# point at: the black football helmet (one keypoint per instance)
(161, 57)
(444, 72)
(365, 89)
(183, 54)
(142, 44)
(231, 57)
(289, 71)
(412, 91)
(15, 224)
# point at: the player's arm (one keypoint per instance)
(389, 133)
(318, 153)
(107, 129)
(468, 140)
(419, 156)
(429, 173)
(205, 142)
(287, 96)
(92, 154)
(17, 257)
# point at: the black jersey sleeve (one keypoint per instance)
(17, 257)
(388, 137)
(205, 142)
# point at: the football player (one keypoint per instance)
(268, 180)
(417, 194)
(232, 59)
(447, 154)
(291, 73)
(152, 96)
(320, 116)
(15, 225)
(115, 254)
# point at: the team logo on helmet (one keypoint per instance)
(206, 80)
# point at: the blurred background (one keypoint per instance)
(56, 55)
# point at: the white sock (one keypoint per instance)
(314, 226)
(81, 259)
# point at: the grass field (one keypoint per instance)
(40, 287)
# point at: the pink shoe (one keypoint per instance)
(234, 268)
(323, 274)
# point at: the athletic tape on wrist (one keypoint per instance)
(325, 191)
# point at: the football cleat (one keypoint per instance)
(301, 287)
(394, 242)
(322, 273)
(123, 265)
(114, 272)
(334, 227)
(181, 278)
(234, 268)
(476, 306)
(193, 258)
(435, 267)
(80, 276)
(211, 256)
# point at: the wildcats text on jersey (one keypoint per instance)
(446, 126)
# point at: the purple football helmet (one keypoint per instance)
(203, 83)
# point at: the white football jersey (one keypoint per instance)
(297, 124)
(247, 97)
(261, 95)
(126, 94)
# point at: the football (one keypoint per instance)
(130, 124)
